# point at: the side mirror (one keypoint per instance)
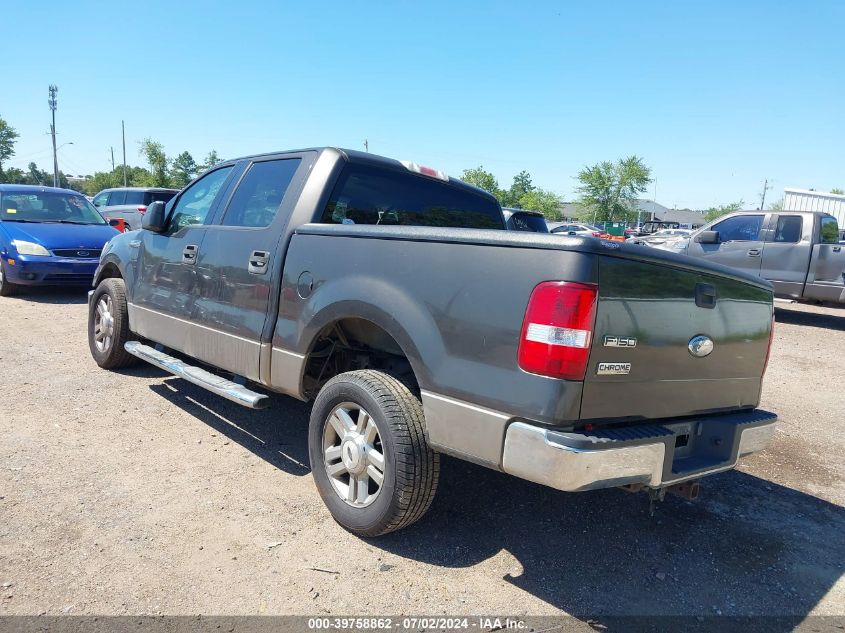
(707, 237)
(572, 233)
(154, 219)
(115, 222)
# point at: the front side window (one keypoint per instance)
(740, 228)
(788, 229)
(195, 202)
(48, 207)
(829, 230)
(101, 199)
(259, 194)
(372, 195)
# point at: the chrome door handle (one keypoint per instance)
(189, 254)
(258, 262)
(754, 252)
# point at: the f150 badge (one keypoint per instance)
(620, 341)
(608, 369)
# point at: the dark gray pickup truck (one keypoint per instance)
(393, 297)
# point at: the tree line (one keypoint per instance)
(161, 170)
(607, 191)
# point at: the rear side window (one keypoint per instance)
(158, 196)
(740, 228)
(788, 229)
(259, 195)
(829, 230)
(116, 197)
(369, 195)
(134, 197)
(527, 222)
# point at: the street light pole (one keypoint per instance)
(52, 101)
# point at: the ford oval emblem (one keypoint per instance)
(83, 253)
(700, 346)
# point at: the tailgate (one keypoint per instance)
(641, 364)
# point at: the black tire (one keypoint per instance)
(7, 288)
(411, 467)
(112, 355)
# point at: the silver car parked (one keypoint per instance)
(130, 203)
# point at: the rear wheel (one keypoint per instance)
(108, 325)
(7, 288)
(369, 456)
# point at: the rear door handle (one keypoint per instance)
(258, 262)
(754, 252)
(189, 254)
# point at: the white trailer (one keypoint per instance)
(807, 200)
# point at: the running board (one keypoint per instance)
(200, 377)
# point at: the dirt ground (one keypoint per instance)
(137, 493)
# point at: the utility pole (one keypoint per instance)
(52, 101)
(123, 134)
(366, 146)
(763, 197)
(112, 158)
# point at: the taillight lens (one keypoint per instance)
(142, 209)
(769, 348)
(557, 329)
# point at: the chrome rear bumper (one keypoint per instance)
(648, 455)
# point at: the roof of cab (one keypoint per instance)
(366, 158)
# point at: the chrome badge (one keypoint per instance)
(620, 341)
(611, 369)
(700, 346)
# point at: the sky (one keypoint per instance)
(714, 96)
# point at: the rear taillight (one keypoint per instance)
(597, 234)
(557, 329)
(142, 209)
(769, 348)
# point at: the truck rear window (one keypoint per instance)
(369, 195)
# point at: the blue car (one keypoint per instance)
(49, 237)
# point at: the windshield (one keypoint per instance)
(48, 206)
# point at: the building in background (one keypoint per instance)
(809, 200)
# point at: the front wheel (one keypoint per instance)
(7, 288)
(370, 459)
(108, 325)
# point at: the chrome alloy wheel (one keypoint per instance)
(104, 324)
(353, 455)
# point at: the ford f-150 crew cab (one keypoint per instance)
(799, 252)
(393, 297)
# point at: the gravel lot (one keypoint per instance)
(137, 493)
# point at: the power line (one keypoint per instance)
(53, 102)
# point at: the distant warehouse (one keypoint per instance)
(808, 200)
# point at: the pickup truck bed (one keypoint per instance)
(569, 361)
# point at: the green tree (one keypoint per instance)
(210, 161)
(135, 177)
(35, 176)
(153, 151)
(483, 180)
(8, 135)
(723, 209)
(777, 205)
(837, 191)
(541, 200)
(13, 175)
(183, 169)
(609, 190)
(521, 186)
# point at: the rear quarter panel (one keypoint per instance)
(455, 309)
